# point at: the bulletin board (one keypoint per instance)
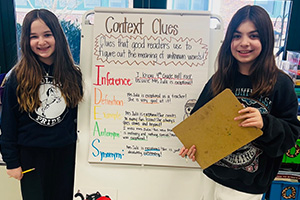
(147, 69)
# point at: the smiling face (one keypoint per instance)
(246, 46)
(42, 41)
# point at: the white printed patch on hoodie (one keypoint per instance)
(53, 106)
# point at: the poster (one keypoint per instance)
(147, 72)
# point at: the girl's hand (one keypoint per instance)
(250, 117)
(15, 173)
(184, 152)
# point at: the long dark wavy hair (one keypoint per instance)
(263, 72)
(29, 72)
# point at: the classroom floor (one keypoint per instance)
(9, 187)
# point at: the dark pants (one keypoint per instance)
(53, 177)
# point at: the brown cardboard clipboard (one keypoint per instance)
(213, 131)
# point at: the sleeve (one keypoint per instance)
(205, 96)
(281, 127)
(9, 137)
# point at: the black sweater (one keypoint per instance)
(252, 168)
(51, 125)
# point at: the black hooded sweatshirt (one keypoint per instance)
(52, 125)
(252, 168)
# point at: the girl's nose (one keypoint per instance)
(244, 41)
(41, 41)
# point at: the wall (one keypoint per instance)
(9, 187)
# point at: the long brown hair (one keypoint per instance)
(29, 71)
(263, 72)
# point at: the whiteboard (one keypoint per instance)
(146, 71)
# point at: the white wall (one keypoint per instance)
(9, 187)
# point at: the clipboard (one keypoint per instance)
(213, 131)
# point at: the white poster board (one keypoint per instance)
(124, 135)
(146, 69)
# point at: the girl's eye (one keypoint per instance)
(255, 36)
(48, 35)
(33, 36)
(236, 36)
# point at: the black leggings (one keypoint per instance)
(53, 177)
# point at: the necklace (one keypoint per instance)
(47, 72)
